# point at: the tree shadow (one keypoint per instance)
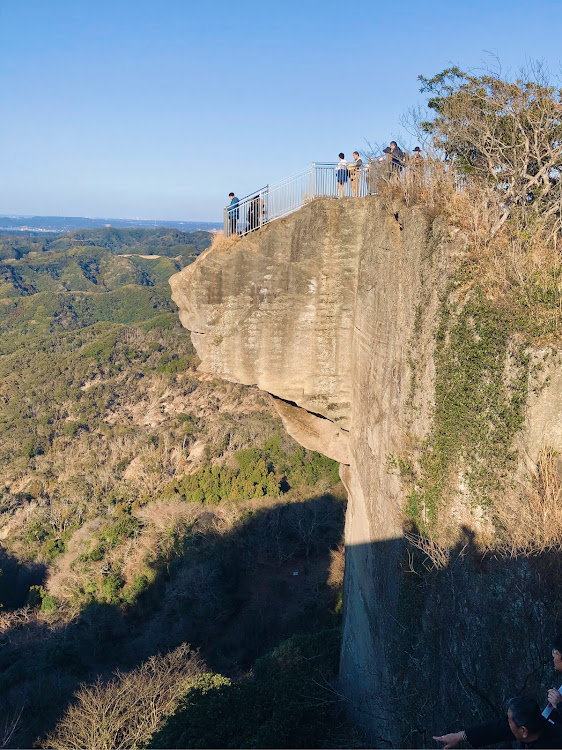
(233, 596)
(454, 640)
(454, 637)
(16, 579)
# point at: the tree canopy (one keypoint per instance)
(508, 133)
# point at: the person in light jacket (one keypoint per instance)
(355, 169)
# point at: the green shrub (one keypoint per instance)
(49, 604)
(266, 471)
(111, 585)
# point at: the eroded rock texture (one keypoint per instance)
(319, 309)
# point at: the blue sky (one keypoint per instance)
(138, 108)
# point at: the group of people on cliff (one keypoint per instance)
(389, 165)
(524, 721)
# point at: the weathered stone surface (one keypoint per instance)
(319, 309)
(543, 423)
(276, 308)
(313, 431)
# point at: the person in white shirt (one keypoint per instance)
(341, 175)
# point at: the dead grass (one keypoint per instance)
(337, 565)
(221, 243)
(531, 518)
(520, 261)
(62, 581)
(528, 521)
(437, 556)
(432, 184)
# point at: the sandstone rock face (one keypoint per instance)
(543, 428)
(322, 309)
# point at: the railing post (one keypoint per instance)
(225, 220)
(312, 187)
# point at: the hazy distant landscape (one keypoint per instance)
(69, 223)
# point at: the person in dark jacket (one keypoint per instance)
(524, 723)
(255, 213)
(396, 156)
(233, 214)
(554, 696)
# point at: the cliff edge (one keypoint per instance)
(319, 309)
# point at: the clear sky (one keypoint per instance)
(157, 109)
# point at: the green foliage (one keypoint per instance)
(112, 536)
(270, 470)
(507, 113)
(43, 381)
(480, 394)
(168, 243)
(48, 603)
(139, 586)
(40, 533)
(174, 363)
(111, 585)
(506, 135)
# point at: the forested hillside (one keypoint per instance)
(148, 513)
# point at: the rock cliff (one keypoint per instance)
(333, 310)
(319, 310)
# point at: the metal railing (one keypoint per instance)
(321, 180)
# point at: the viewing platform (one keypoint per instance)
(281, 198)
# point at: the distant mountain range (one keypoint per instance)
(69, 223)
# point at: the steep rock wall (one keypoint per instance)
(322, 309)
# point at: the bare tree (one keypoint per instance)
(8, 727)
(125, 711)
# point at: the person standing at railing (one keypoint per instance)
(233, 214)
(255, 209)
(416, 158)
(396, 157)
(355, 169)
(341, 174)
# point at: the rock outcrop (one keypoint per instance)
(319, 309)
(340, 311)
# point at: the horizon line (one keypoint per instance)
(101, 218)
